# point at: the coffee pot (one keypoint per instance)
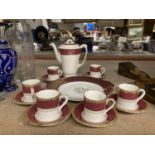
(69, 56)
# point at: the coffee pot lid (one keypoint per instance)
(69, 44)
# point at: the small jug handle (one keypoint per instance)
(85, 56)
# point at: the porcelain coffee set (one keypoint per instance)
(95, 106)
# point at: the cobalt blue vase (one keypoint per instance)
(8, 60)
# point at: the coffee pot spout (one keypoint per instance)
(57, 54)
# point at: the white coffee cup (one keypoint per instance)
(129, 95)
(96, 70)
(48, 105)
(29, 88)
(95, 110)
(54, 73)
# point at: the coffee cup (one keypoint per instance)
(96, 70)
(29, 88)
(129, 95)
(48, 105)
(95, 106)
(54, 73)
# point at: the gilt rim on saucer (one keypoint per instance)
(137, 111)
(21, 102)
(51, 123)
(94, 125)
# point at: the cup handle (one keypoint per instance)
(142, 95)
(60, 72)
(102, 70)
(64, 103)
(113, 104)
(32, 93)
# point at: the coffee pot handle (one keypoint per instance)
(85, 56)
(113, 104)
(142, 91)
(64, 102)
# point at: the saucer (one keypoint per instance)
(88, 73)
(18, 99)
(66, 112)
(141, 106)
(77, 115)
(45, 78)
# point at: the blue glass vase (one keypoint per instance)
(8, 60)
